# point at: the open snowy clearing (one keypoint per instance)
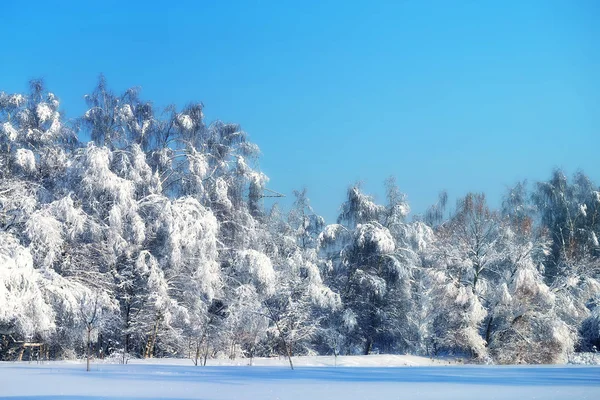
(374, 360)
(177, 379)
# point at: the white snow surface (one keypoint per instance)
(315, 378)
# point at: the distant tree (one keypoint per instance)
(364, 268)
(464, 260)
(523, 325)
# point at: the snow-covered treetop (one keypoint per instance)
(359, 208)
(374, 237)
(257, 268)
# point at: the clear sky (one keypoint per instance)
(456, 95)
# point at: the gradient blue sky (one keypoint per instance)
(456, 95)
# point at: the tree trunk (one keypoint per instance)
(125, 348)
(100, 347)
(232, 352)
(368, 346)
(89, 331)
(151, 342)
(252, 355)
(205, 352)
(488, 331)
(147, 347)
(289, 353)
(126, 330)
(197, 356)
(288, 350)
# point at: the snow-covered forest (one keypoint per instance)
(153, 240)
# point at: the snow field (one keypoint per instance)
(269, 379)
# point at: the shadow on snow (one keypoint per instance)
(470, 375)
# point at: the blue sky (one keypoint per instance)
(456, 95)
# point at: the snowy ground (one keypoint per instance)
(375, 360)
(177, 379)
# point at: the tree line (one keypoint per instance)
(152, 240)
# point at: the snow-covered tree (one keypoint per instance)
(362, 265)
(25, 313)
(153, 240)
(462, 268)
